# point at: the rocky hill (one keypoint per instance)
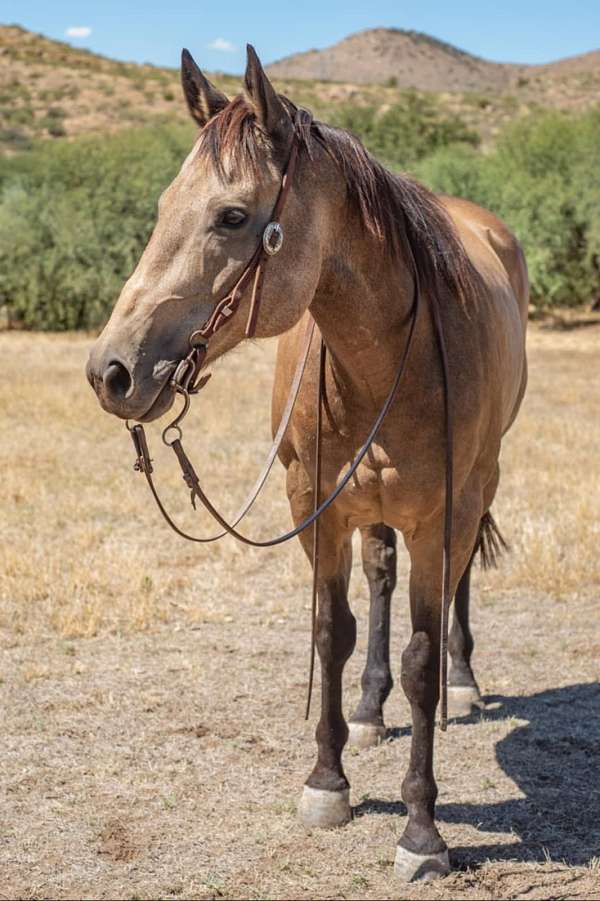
(409, 59)
(406, 58)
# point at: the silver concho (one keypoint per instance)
(273, 238)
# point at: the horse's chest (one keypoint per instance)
(386, 487)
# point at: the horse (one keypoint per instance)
(360, 244)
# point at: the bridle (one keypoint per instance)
(187, 381)
(184, 379)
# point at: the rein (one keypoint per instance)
(186, 381)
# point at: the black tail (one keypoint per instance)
(490, 542)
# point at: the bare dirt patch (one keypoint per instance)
(152, 735)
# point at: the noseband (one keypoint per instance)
(186, 380)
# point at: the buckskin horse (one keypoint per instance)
(390, 274)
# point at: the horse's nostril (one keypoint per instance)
(117, 379)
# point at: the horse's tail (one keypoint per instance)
(490, 542)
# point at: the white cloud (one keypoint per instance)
(222, 45)
(78, 31)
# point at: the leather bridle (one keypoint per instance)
(187, 380)
(271, 242)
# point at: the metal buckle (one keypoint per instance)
(143, 463)
(184, 372)
(272, 238)
(174, 424)
(186, 377)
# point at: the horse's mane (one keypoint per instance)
(406, 217)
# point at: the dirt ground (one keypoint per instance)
(152, 741)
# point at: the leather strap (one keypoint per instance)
(317, 527)
(144, 463)
(448, 515)
(186, 380)
(254, 270)
(191, 477)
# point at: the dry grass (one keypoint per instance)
(152, 742)
(169, 764)
(84, 549)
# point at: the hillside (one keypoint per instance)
(50, 89)
(410, 59)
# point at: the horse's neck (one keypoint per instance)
(362, 307)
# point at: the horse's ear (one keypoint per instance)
(270, 111)
(204, 100)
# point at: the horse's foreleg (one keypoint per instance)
(421, 852)
(379, 564)
(325, 800)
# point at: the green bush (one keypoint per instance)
(543, 179)
(14, 139)
(17, 115)
(74, 219)
(55, 128)
(401, 134)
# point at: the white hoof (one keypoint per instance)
(462, 699)
(324, 808)
(411, 867)
(365, 735)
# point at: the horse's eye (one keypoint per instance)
(232, 218)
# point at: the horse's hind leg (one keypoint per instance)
(463, 691)
(379, 564)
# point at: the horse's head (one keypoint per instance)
(211, 219)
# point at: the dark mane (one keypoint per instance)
(406, 217)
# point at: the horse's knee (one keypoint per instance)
(379, 558)
(336, 632)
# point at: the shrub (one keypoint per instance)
(56, 112)
(56, 129)
(543, 179)
(15, 139)
(17, 115)
(405, 132)
(74, 219)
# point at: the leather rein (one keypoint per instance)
(187, 381)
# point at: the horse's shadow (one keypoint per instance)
(555, 761)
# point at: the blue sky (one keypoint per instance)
(513, 31)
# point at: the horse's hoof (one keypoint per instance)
(365, 735)
(319, 807)
(462, 699)
(411, 867)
